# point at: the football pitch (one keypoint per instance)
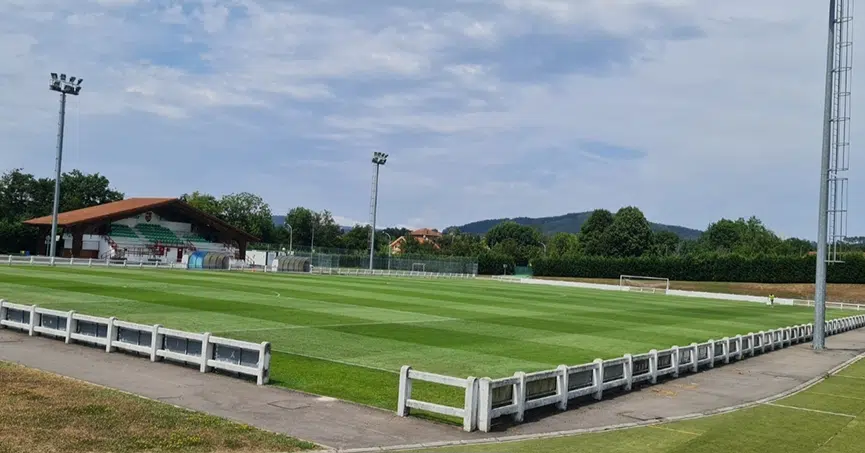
(347, 337)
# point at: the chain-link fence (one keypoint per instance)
(333, 258)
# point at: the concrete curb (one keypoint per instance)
(507, 439)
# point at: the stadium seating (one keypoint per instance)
(122, 231)
(202, 244)
(160, 234)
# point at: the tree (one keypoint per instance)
(664, 243)
(630, 234)
(563, 244)
(204, 202)
(248, 212)
(357, 238)
(79, 190)
(521, 242)
(592, 236)
(23, 196)
(304, 221)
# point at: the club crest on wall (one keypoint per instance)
(148, 216)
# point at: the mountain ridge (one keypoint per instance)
(566, 223)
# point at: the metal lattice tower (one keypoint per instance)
(839, 159)
(835, 156)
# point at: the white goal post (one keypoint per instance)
(644, 284)
(418, 267)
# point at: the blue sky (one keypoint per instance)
(692, 110)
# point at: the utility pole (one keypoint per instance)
(64, 87)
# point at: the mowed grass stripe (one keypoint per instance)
(462, 328)
(500, 345)
(638, 316)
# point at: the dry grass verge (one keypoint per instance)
(835, 292)
(41, 412)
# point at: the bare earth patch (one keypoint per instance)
(835, 292)
(41, 412)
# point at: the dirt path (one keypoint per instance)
(835, 292)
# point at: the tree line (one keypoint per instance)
(625, 236)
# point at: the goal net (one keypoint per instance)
(418, 267)
(644, 284)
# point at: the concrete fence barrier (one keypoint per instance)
(203, 349)
(513, 396)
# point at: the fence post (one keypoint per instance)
(676, 358)
(520, 396)
(10, 260)
(711, 353)
(628, 371)
(206, 352)
(70, 320)
(695, 358)
(155, 343)
(470, 419)
(264, 364)
(404, 391)
(653, 365)
(739, 352)
(109, 336)
(562, 386)
(31, 330)
(485, 404)
(726, 346)
(90, 262)
(598, 377)
(2, 312)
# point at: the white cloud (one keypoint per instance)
(484, 105)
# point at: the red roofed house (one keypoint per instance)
(422, 235)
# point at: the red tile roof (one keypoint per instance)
(108, 210)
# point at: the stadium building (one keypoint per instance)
(143, 229)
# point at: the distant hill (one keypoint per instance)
(568, 223)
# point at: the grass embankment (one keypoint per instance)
(828, 418)
(42, 412)
(835, 292)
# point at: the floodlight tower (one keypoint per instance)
(64, 87)
(378, 159)
(835, 158)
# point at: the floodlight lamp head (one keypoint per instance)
(62, 77)
(54, 76)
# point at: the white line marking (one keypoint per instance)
(850, 377)
(324, 326)
(664, 428)
(810, 410)
(837, 396)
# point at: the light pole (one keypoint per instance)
(64, 87)
(378, 159)
(290, 237)
(545, 248)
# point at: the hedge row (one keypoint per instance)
(714, 269)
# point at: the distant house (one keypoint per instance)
(422, 235)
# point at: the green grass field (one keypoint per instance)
(828, 418)
(323, 327)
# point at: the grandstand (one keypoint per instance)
(144, 229)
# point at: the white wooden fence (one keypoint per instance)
(468, 412)
(512, 396)
(203, 349)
